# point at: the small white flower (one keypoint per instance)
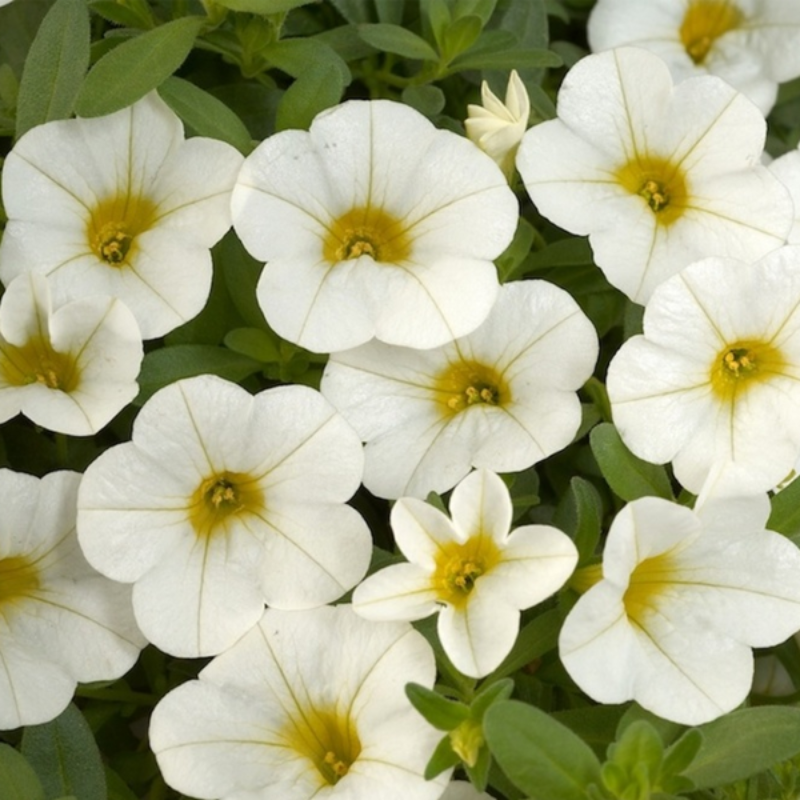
(70, 370)
(656, 175)
(224, 502)
(502, 397)
(716, 375)
(60, 622)
(684, 597)
(474, 571)
(752, 44)
(121, 206)
(786, 169)
(497, 127)
(309, 704)
(373, 224)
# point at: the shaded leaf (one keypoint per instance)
(394, 39)
(18, 781)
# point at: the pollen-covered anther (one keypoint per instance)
(112, 243)
(463, 574)
(337, 766)
(739, 360)
(655, 194)
(358, 246)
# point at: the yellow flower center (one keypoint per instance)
(114, 225)
(468, 383)
(649, 580)
(38, 362)
(367, 231)
(704, 22)
(221, 496)
(660, 184)
(458, 567)
(327, 739)
(19, 578)
(742, 365)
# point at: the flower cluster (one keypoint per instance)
(376, 344)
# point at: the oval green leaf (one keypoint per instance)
(65, 756)
(55, 66)
(137, 66)
(18, 780)
(394, 39)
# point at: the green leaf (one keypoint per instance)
(579, 515)
(444, 757)
(545, 759)
(478, 773)
(390, 11)
(204, 114)
(519, 249)
(506, 59)
(628, 476)
(355, 11)
(137, 66)
(596, 725)
(168, 364)
(482, 8)
(256, 343)
(240, 272)
(18, 781)
(682, 753)
(264, 7)
(428, 100)
(574, 252)
(743, 743)
(394, 39)
(65, 756)
(293, 56)
(443, 714)
(315, 90)
(538, 637)
(639, 752)
(130, 13)
(117, 788)
(490, 693)
(55, 66)
(460, 35)
(785, 515)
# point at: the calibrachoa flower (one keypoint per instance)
(752, 44)
(309, 704)
(70, 370)
(657, 176)
(787, 170)
(122, 206)
(501, 398)
(60, 622)
(222, 502)
(374, 224)
(474, 570)
(716, 375)
(684, 595)
(497, 127)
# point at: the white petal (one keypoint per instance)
(481, 505)
(398, 592)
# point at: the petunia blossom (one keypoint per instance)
(309, 704)
(683, 598)
(373, 224)
(656, 175)
(752, 44)
(60, 621)
(497, 127)
(472, 569)
(119, 205)
(223, 502)
(503, 397)
(716, 375)
(70, 369)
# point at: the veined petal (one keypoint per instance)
(397, 592)
(421, 530)
(479, 635)
(481, 505)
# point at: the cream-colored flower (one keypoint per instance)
(70, 369)
(122, 206)
(473, 570)
(309, 704)
(373, 224)
(497, 127)
(752, 44)
(657, 175)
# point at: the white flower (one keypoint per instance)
(374, 224)
(69, 370)
(473, 570)
(60, 622)
(309, 704)
(684, 596)
(752, 44)
(222, 502)
(501, 398)
(497, 127)
(716, 375)
(657, 176)
(122, 206)
(787, 170)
